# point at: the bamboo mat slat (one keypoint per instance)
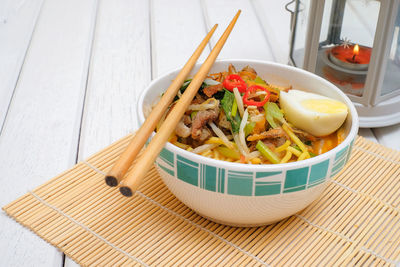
(356, 221)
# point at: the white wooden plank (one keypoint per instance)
(367, 133)
(275, 22)
(120, 68)
(389, 136)
(177, 28)
(247, 40)
(39, 138)
(17, 21)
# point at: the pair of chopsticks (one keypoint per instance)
(132, 181)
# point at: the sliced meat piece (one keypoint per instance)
(205, 134)
(270, 134)
(231, 69)
(304, 135)
(252, 145)
(212, 89)
(219, 77)
(201, 119)
(223, 121)
(248, 73)
(249, 69)
(198, 99)
(279, 141)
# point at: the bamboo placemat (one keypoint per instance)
(355, 222)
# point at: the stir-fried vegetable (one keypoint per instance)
(242, 137)
(221, 135)
(228, 152)
(208, 104)
(249, 128)
(234, 108)
(203, 148)
(272, 113)
(182, 89)
(239, 101)
(236, 116)
(253, 89)
(227, 103)
(267, 153)
(235, 81)
(207, 82)
(193, 114)
(259, 80)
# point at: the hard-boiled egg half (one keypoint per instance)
(316, 114)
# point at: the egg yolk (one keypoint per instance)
(324, 105)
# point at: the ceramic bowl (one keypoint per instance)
(243, 194)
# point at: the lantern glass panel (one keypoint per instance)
(345, 43)
(299, 39)
(391, 81)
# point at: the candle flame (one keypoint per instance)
(356, 50)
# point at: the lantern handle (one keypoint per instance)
(292, 12)
(287, 6)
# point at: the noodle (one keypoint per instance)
(295, 152)
(287, 157)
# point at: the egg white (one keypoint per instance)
(316, 114)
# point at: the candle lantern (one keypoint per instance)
(355, 44)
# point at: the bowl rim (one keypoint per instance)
(262, 167)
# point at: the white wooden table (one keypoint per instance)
(71, 72)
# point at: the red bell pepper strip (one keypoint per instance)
(234, 80)
(253, 89)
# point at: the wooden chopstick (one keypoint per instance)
(121, 166)
(146, 160)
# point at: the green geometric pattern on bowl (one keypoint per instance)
(341, 158)
(242, 183)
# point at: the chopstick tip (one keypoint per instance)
(212, 30)
(235, 18)
(111, 181)
(126, 191)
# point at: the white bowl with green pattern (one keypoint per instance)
(243, 194)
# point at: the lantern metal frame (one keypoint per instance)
(375, 110)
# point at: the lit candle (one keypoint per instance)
(352, 57)
(356, 51)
